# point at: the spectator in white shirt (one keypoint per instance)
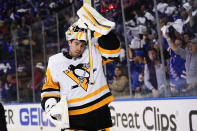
(153, 74)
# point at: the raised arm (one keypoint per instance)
(171, 43)
(178, 50)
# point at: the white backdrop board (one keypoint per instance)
(136, 115)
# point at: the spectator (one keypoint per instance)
(119, 86)
(190, 56)
(38, 77)
(2, 91)
(177, 73)
(10, 87)
(165, 52)
(139, 14)
(153, 74)
(187, 36)
(137, 71)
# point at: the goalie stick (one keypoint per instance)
(91, 78)
(87, 2)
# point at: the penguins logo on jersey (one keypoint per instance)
(80, 74)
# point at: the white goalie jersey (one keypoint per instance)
(70, 77)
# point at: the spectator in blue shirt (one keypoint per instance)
(137, 71)
(177, 73)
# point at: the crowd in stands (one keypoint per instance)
(18, 15)
(17, 19)
(149, 77)
(178, 20)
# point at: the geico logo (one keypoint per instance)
(161, 122)
(34, 116)
(9, 116)
(151, 117)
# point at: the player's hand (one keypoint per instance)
(53, 115)
(95, 21)
(49, 107)
(49, 104)
(58, 112)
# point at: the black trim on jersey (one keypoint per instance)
(67, 55)
(92, 121)
(45, 99)
(111, 58)
(109, 41)
(49, 89)
(91, 103)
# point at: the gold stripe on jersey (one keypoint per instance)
(50, 83)
(50, 95)
(91, 108)
(96, 34)
(105, 51)
(88, 96)
(106, 61)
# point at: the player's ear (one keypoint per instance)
(69, 42)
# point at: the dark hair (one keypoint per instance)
(183, 42)
(191, 35)
(119, 67)
(153, 49)
(79, 40)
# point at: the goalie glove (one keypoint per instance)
(58, 112)
(94, 20)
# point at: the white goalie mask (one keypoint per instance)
(76, 32)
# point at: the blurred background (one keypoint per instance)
(33, 30)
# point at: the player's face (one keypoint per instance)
(76, 47)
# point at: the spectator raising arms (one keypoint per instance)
(190, 56)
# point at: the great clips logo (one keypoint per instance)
(149, 118)
(193, 120)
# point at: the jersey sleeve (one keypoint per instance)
(109, 47)
(51, 88)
